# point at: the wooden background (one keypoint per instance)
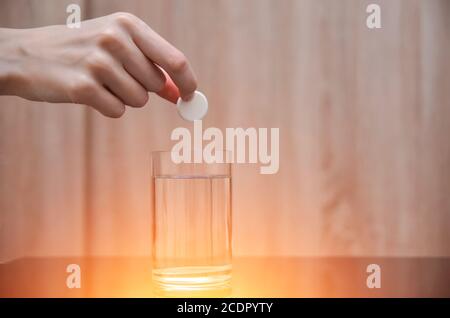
(364, 118)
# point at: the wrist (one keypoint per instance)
(10, 75)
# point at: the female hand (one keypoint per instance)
(109, 62)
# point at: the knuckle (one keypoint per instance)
(124, 19)
(83, 89)
(178, 62)
(116, 111)
(140, 99)
(110, 38)
(98, 63)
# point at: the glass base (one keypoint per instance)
(193, 281)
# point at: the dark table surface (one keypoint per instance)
(252, 277)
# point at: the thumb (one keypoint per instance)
(170, 91)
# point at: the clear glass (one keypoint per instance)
(191, 227)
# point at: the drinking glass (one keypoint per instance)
(191, 226)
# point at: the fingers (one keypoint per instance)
(106, 103)
(143, 70)
(170, 91)
(120, 44)
(140, 67)
(86, 91)
(121, 84)
(161, 52)
(127, 61)
(111, 74)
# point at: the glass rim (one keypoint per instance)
(193, 150)
(163, 164)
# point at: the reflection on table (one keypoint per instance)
(252, 277)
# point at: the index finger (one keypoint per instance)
(162, 53)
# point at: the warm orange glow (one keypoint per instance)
(252, 277)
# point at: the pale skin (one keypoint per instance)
(109, 62)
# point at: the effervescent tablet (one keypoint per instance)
(194, 109)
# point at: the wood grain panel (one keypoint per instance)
(363, 116)
(41, 159)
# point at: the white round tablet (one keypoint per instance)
(195, 109)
